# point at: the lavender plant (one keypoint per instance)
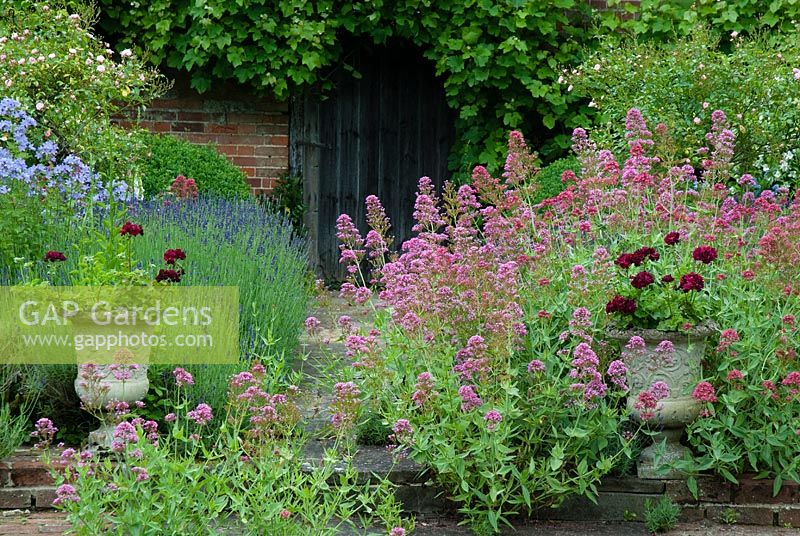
(241, 243)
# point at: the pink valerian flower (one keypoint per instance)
(344, 406)
(469, 398)
(492, 418)
(771, 389)
(311, 324)
(792, 379)
(647, 400)
(402, 431)
(141, 473)
(126, 432)
(726, 339)
(423, 389)
(397, 531)
(201, 415)
(536, 366)
(584, 371)
(617, 371)
(722, 139)
(704, 392)
(426, 213)
(182, 377)
(663, 355)
(170, 417)
(520, 162)
(735, 375)
(45, 432)
(66, 493)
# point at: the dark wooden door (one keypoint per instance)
(373, 134)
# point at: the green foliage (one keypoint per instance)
(729, 516)
(680, 84)
(56, 67)
(662, 516)
(241, 243)
(498, 61)
(287, 196)
(549, 177)
(14, 412)
(249, 479)
(665, 18)
(373, 431)
(166, 157)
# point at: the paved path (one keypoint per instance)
(17, 523)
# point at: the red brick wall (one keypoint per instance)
(253, 132)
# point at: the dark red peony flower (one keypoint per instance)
(667, 279)
(691, 281)
(173, 255)
(642, 280)
(672, 238)
(704, 254)
(131, 229)
(54, 256)
(619, 304)
(170, 276)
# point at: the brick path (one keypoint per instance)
(24, 523)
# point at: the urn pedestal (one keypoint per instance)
(681, 371)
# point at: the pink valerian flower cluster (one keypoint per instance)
(45, 432)
(311, 324)
(423, 389)
(727, 338)
(704, 392)
(647, 401)
(617, 371)
(345, 405)
(182, 377)
(472, 361)
(469, 398)
(492, 418)
(66, 493)
(268, 416)
(722, 140)
(588, 379)
(364, 349)
(201, 415)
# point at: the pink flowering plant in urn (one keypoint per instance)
(514, 338)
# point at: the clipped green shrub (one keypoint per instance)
(549, 177)
(167, 157)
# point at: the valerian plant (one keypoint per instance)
(232, 468)
(490, 362)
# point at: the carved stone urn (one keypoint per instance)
(680, 369)
(107, 377)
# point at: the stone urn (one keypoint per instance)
(681, 370)
(107, 376)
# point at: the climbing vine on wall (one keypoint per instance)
(500, 60)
